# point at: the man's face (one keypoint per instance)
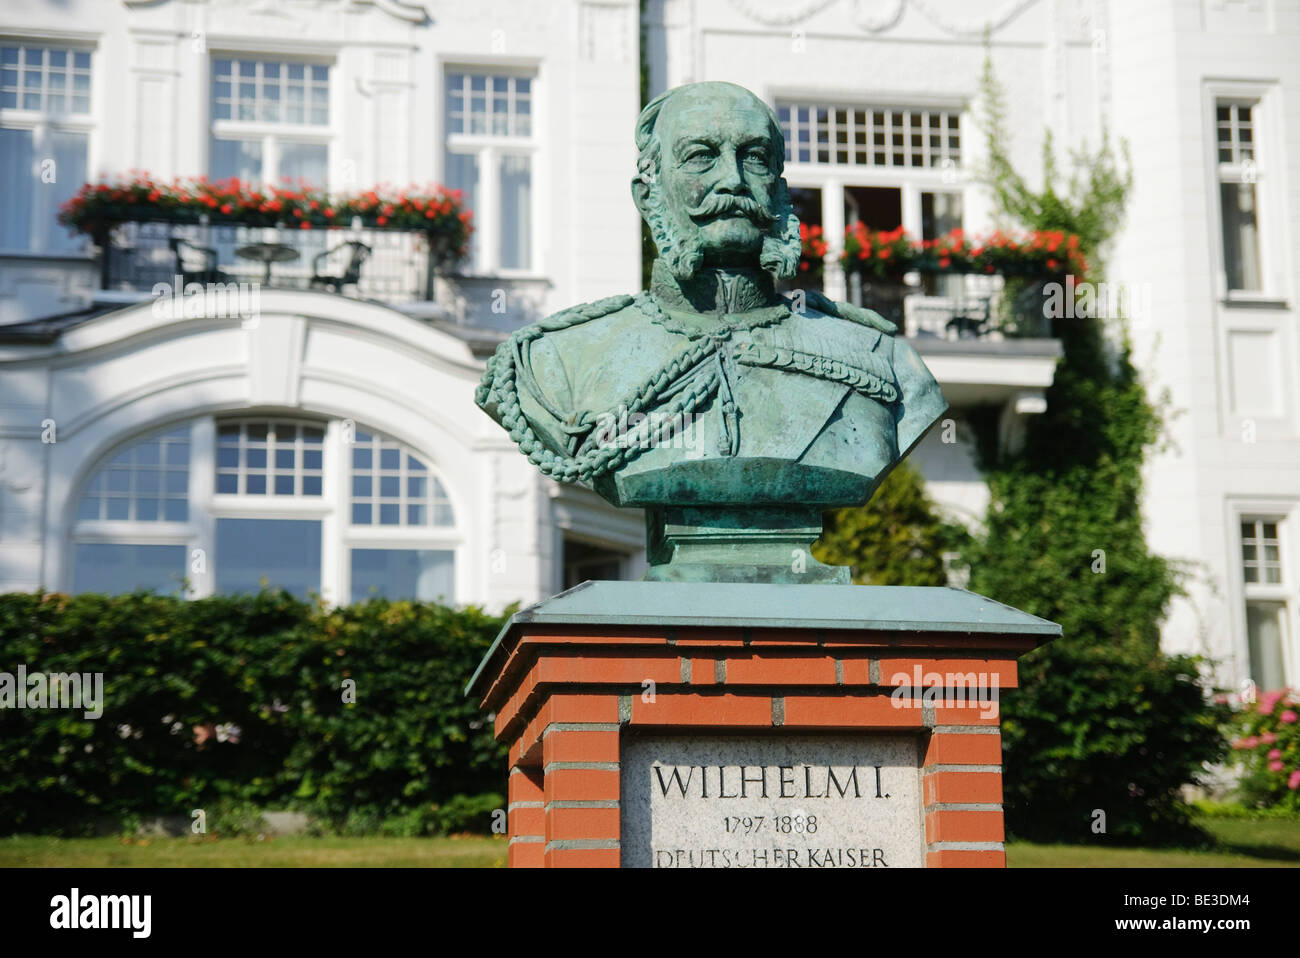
(717, 174)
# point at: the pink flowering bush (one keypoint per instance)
(1268, 750)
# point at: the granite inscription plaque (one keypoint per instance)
(783, 801)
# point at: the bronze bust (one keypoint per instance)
(732, 413)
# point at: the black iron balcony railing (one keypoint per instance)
(958, 306)
(378, 243)
(389, 265)
(963, 288)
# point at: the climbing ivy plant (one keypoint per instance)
(1105, 728)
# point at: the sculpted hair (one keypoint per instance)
(782, 246)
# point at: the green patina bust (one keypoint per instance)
(732, 413)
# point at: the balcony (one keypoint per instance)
(948, 288)
(957, 307)
(391, 266)
(974, 310)
(379, 244)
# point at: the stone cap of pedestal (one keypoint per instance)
(929, 617)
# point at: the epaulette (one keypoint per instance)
(507, 350)
(854, 314)
(585, 312)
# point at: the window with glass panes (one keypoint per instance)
(847, 136)
(489, 154)
(270, 121)
(228, 505)
(270, 458)
(879, 166)
(45, 124)
(1239, 177)
(146, 482)
(392, 487)
(1268, 603)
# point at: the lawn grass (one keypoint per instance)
(1243, 843)
(291, 851)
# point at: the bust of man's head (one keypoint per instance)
(709, 182)
(732, 413)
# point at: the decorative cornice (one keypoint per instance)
(399, 9)
(888, 13)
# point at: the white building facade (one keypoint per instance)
(327, 443)
(1204, 94)
(331, 443)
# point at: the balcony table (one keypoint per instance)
(268, 253)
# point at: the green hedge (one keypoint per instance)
(175, 672)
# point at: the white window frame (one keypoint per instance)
(333, 509)
(273, 134)
(910, 181)
(1266, 123)
(489, 149)
(41, 124)
(1286, 513)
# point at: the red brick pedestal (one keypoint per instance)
(569, 678)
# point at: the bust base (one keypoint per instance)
(770, 544)
(582, 684)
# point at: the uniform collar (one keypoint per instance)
(715, 300)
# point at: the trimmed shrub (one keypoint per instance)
(242, 700)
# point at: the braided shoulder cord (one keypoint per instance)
(499, 387)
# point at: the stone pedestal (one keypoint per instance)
(755, 725)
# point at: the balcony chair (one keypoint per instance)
(969, 320)
(196, 264)
(351, 275)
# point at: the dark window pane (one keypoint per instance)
(115, 569)
(1240, 236)
(425, 574)
(285, 552)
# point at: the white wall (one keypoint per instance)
(1233, 419)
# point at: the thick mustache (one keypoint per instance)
(716, 204)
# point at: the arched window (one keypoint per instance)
(132, 520)
(393, 487)
(260, 457)
(227, 505)
(396, 505)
